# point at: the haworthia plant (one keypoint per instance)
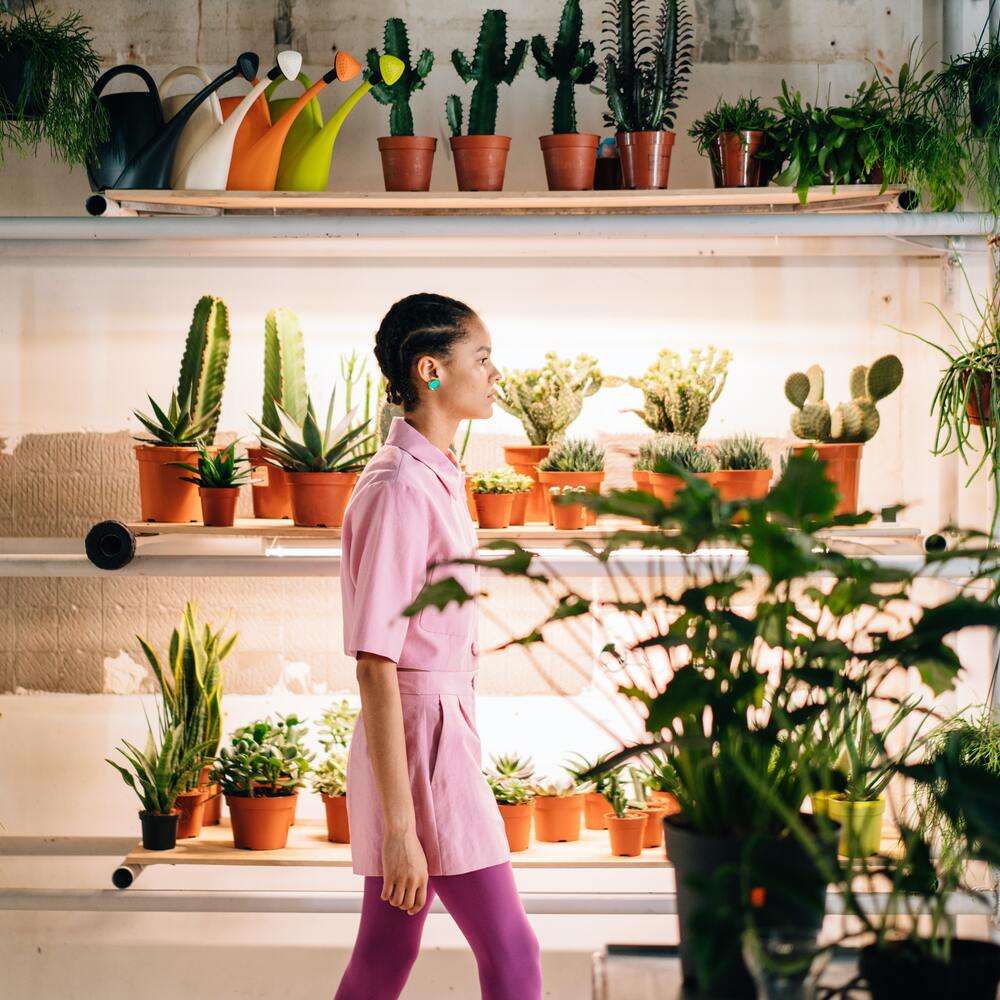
(397, 43)
(203, 367)
(570, 61)
(284, 368)
(490, 66)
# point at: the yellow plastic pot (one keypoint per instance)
(860, 824)
(820, 803)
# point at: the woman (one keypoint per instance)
(423, 820)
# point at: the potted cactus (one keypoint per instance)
(654, 808)
(407, 159)
(558, 811)
(677, 398)
(285, 384)
(481, 154)
(493, 493)
(841, 434)
(509, 779)
(576, 462)
(567, 515)
(626, 821)
(570, 156)
(737, 139)
(745, 468)
(330, 775)
(646, 68)
(218, 478)
(672, 451)
(191, 418)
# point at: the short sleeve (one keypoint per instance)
(384, 566)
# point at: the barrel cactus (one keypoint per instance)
(397, 44)
(849, 423)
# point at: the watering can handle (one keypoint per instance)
(199, 73)
(105, 78)
(275, 84)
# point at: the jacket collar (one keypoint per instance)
(406, 436)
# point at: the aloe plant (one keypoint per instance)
(574, 455)
(512, 765)
(490, 66)
(220, 471)
(570, 61)
(174, 427)
(284, 368)
(397, 43)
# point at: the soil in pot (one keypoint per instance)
(591, 480)
(524, 458)
(843, 467)
(569, 517)
(900, 969)
(164, 496)
(319, 499)
(594, 808)
(218, 505)
(159, 831)
(493, 509)
(570, 160)
(626, 833)
(191, 806)
(557, 818)
(269, 485)
(645, 158)
(733, 161)
(337, 829)
(261, 823)
(480, 161)
(860, 824)
(517, 823)
(407, 161)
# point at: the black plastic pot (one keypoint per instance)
(159, 832)
(900, 969)
(20, 84)
(790, 893)
(984, 101)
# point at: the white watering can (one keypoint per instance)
(208, 167)
(202, 124)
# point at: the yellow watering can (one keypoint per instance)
(202, 123)
(310, 169)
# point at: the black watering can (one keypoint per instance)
(139, 150)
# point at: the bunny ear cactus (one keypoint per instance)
(491, 66)
(853, 422)
(284, 368)
(203, 367)
(569, 61)
(397, 97)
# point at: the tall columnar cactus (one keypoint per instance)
(397, 43)
(852, 422)
(569, 61)
(490, 67)
(203, 367)
(284, 368)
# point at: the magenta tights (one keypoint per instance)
(488, 910)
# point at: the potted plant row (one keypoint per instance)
(495, 494)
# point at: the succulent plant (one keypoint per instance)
(397, 43)
(264, 758)
(284, 368)
(677, 398)
(175, 427)
(330, 778)
(548, 399)
(561, 491)
(570, 61)
(219, 471)
(512, 765)
(491, 66)
(337, 725)
(574, 455)
(504, 480)
(742, 452)
(681, 450)
(509, 791)
(555, 789)
(852, 422)
(579, 766)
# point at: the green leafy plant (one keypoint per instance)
(574, 455)
(680, 451)
(220, 471)
(647, 62)
(855, 421)
(677, 397)
(330, 777)
(745, 114)
(490, 66)
(570, 61)
(337, 723)
(742, 452)
(52, 103)
(413, 78)
(661, 775)
(264, 758)
(284, 369)
(504, 480)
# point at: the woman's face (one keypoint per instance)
(468, 377)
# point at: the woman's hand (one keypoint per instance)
(404, 867)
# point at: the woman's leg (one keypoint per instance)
(387, 945)
(487, 908)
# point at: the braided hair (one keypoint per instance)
(424, 323)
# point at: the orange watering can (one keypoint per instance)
(255, 168)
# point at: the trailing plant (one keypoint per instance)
(647, 62)
(413, 78)
(53, 104)
(683, 452)
(548, 399)
(220, 471)
(512, 765)
(676, 397)
(855, 421)
(745, 114)
(504, 480)
(284, 369)
(570, 61)
(490, 66)
(574, 455)
(742, 452)
(509, 791)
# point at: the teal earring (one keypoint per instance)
(433, 384)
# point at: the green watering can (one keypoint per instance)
(306, 167)
(307, 124)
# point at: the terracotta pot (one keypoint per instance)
(480, 161)
(519, 507)
(337, 829)
(645, 158)
(319, 499)
(843, 466)
(626, 832)
(569, 517)
(213, 806)
(261, 823)
(570, 160)
(977, 406)
(594, 808)
(557, 818)
(218, 505)
(653, 834)
(470, 499)
(159, 830)
(191, 806)
(668, 797)
(641, 479)
(493, 509)
(407, 161)
(741, 484)
(665, 487)
(524, 458)
(733, 160)
(517, 823)
(269, 485)
(164, 496)
(592, 480)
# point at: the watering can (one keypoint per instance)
(310, 171)
(256, 168)
(203, 122)
(140, 149)
(208, 168)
